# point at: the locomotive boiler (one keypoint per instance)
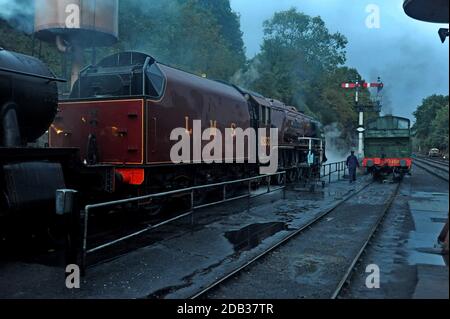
(121, 112)
(28, 98)
(29, 177)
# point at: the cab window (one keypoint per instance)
(155, 81)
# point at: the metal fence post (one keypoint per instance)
(249, 195)
(67, 206)
(192, 207)
(84, 252)
(284, 188)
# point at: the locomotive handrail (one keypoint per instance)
(144, 67)
(190, 190)
(49, 78)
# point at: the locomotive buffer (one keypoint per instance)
(357, 85)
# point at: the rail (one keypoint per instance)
(188, 191)
(329, 169)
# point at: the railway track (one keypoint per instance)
(436, 168)
(296, 236)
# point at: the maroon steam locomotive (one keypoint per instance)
(111, 137)
(121, 112)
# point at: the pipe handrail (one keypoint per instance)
(189, 190)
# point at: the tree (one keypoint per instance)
(188, 34)
(439, 135)
(431, 125)
(300, 64)
(296, 52)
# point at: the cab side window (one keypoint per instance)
(156, 81)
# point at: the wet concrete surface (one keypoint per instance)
(312, 264)
(405, 247)
(178, 259)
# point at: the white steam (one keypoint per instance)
(337, 148)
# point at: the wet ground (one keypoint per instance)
(405, 248)
(312, 264)
(178, 259)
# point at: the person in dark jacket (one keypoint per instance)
(352, 164)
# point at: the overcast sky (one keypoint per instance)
(406, 53)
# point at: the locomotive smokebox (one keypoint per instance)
(28, 98)
(85, 23)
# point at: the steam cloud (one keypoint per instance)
(18, 13)
(337, 148)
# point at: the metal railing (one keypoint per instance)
(188, 191)
(333, 168)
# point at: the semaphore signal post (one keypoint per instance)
(357, 85)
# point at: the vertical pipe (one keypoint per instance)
(360, 134)
(77, 62)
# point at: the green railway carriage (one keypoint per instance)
(388, 147)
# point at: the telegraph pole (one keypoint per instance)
(356, 86)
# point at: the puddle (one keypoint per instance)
(251, 236)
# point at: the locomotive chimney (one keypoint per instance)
(74, 25)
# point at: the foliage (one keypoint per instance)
(194, 35)
(301, 64)
(431, 127)
(200, 36)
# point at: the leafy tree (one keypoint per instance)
(300, 64)
(439, 135)
(431, 127)
(296, 52)
(188, 34)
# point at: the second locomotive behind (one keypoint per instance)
(121, 112)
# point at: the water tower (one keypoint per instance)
(74, 25)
